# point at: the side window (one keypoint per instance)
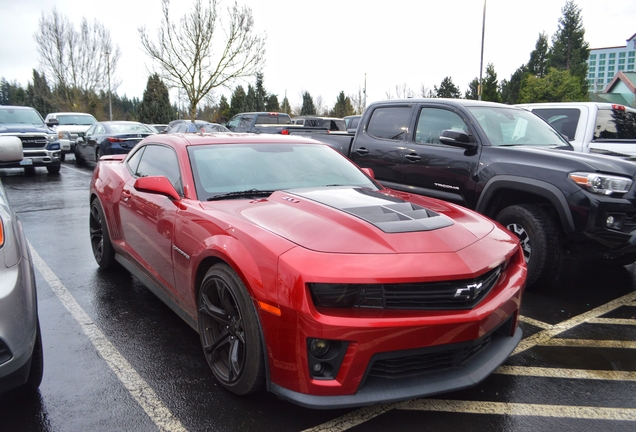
(160, 161)
(234, 122)
(433, 121)
(390, 123)
(246, 121)
(133, 160)
(564, 120)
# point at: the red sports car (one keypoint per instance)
(302, 274)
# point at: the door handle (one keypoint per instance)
(362, 151)
(125, 195)
(413, 157)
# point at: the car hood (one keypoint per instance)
(359, 221)
(72, 128)
(570, 161)
(23, 128)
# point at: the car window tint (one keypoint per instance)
(160, 161)
(615, 124)
(433, 121)
(389, 123)
(133, 160)
(565, 120)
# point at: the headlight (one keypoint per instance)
(64, 135)
(54, 142)
(601, 184)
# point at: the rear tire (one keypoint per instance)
(100, 239)
(541, 241)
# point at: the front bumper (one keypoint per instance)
(368, 337)
(35, 158)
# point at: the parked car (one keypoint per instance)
(160, 128)
(592, 127)
(260, 122)
(40, 144)
(305, 276)
(69, 126)
(21, 358)
(108, 138)
(351, 123)
(201, 126)
(330, 123)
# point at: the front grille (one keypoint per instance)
(30, 142)
(427, 362)
(459, 294)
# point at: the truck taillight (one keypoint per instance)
(618, 107)
(284, 132)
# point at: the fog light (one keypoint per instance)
(318, 368)
(610, 221)
(614, 221)
(319, 347)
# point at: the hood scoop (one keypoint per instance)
(390, 214)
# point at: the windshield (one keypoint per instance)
(20, 116)
(240, 167)
(76, 119)
(511, 126)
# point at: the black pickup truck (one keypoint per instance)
(508, 164)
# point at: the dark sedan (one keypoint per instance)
(108, 138)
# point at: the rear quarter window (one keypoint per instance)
(615, 124)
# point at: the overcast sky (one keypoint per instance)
(329, 46)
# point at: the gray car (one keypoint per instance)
(21, 360)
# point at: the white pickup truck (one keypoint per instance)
(592, 127)
(69, 126)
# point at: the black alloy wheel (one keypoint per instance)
(229, 331)
(100, 239)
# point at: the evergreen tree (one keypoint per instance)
(569, 50)
(538, 63)
(490, 89)
(38, 94)
(250, 100)
(343, 106)
(447, 89)
(155, 105)
(285, 107)
(12, 94)
(308, 107)
(261, 94)
(271, 104)
(510, 89)
(223, 114)
(237, 101)
(473, 90)
(556, 86)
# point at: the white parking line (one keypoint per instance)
(77, 170)
(134, 383)
(536, 410)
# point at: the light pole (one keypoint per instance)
(110, 101)
(481, 61)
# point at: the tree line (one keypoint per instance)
(81, 64)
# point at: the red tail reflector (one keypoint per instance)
(284, 132)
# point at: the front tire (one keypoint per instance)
(53, 169)
(541, 241)
(79, 159)
(229, 331)
(100, 239)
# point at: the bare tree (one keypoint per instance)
(77, 62)
(357, 100)
(204, 51)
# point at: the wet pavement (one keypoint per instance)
(117, 359)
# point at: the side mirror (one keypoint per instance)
(456, 138)
(369, 172)
(158, 185)
(10, 149)
(80, 140)
(53, 122)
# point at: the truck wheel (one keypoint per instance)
(541, 240)
(62, 157)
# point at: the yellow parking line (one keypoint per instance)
(617, 321)
(537, 410)
(353, 419)
(545, 335)
(534, 322)
(590, 343)
(606, 375)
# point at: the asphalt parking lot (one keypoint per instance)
(116, 358)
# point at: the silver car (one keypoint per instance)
(21, 360)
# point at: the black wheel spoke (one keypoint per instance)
(217, 314)
(226, 299)
(234, 360)
(213, 349)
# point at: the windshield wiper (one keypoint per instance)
(242, 194)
